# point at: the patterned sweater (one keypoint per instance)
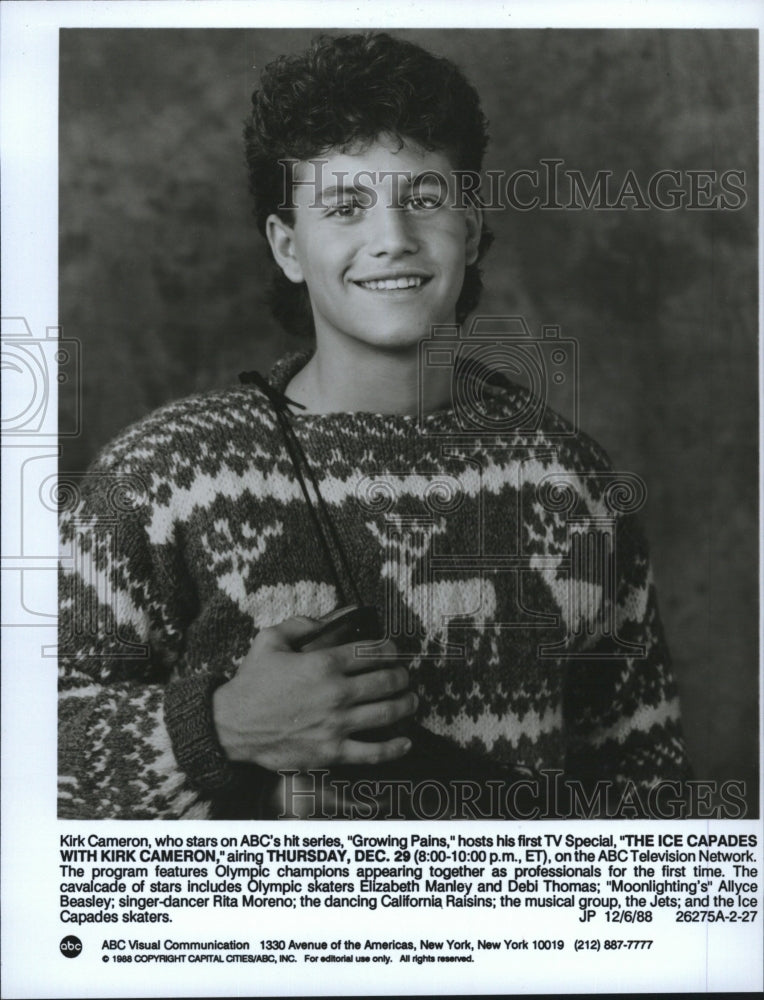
(507, 561)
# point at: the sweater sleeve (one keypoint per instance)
(136, 738)
(621, 705)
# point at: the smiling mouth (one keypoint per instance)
(393, 284)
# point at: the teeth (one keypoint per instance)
(389, 284)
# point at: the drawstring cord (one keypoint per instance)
(280, 405)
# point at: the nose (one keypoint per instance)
(391, 232)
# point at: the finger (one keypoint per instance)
(356, 752)
(286, 633)
(375, 685)
(360, 657)
(379, 714)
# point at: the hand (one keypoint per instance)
(286, 710)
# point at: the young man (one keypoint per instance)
(521, 629)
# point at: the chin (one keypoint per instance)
(397, 336)
(397, 342)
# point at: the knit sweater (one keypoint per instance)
(506, 560)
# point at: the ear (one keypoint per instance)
(474, 222)
(280, 236)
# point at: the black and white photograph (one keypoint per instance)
(497, 528)
(385, 471)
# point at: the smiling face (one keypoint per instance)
(380, 243)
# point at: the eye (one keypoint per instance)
(423, 201)
(346, 209)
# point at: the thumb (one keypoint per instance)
(287, 633)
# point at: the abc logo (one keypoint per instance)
(70, 946)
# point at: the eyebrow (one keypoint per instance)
(424, 177)
(332, 190)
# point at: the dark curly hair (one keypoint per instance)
(343, 92)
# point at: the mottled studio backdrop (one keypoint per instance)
(162, 279)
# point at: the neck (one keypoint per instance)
(359, 380)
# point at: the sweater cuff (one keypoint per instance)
(189, 721)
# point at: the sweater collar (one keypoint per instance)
(498, 400)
